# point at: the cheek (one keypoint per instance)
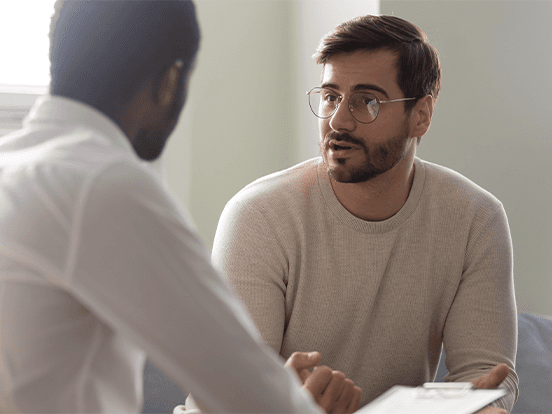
(393, 122)
(323, 127)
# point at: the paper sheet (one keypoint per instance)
(410, 400)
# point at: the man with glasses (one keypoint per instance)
(368, 254)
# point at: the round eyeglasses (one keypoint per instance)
(363, 106)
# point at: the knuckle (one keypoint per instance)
(322, 373)
(326, 402)
(338, 375)
(294, 356)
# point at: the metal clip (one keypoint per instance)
(443, 390)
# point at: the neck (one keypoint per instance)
(380, 198)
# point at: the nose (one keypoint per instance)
(342, 119)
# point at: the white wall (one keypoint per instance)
(247, 114)
(493, 119)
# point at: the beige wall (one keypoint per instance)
(493, 118)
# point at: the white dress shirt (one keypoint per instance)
(99, 266)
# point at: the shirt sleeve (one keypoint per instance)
(481, 327)
(246, 252)
(138, 265)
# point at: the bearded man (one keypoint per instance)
(367, 254)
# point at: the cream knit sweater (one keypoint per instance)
(376, 299)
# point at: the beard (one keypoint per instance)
(376, 161)
(148, 144)
(150, 140)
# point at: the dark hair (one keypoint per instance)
(418, 67)
(102, 51)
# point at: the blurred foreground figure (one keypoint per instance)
(99, 266)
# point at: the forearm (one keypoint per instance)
(481, 327)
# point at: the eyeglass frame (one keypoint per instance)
(341, 97)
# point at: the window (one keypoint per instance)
(24, 73)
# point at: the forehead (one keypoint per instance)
(345, 71)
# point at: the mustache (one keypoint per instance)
(346, 137)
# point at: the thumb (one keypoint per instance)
(494, 378)
(303, 360)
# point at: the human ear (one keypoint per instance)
(168, 85)
(420, 118)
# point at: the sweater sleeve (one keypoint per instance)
(246, 251)
(481, 327)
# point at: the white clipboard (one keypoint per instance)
(432, 398)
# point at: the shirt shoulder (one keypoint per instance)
(47, 174)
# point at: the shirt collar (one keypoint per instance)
(62, 110)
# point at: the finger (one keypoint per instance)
(334, 389)
(303, 360)
(318, 381)
(494, 378)
(344, 399)
(354, 404)
(303, 375)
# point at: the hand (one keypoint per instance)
(302, 362)
(492, 380)
(492, 410)
(331, 390)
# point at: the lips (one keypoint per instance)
(336, 145)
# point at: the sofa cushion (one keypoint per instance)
(161, 395)
(534, 364)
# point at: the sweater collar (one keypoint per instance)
(365, 226)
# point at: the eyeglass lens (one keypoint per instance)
(363, 106)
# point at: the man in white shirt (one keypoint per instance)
(99, 265)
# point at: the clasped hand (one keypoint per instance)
(331, 390)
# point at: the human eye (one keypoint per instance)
(362, 101)
(367, 99)
(328, 96)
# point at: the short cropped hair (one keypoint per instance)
(418, 67)
(103, 51)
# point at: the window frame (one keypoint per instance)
(15, 103)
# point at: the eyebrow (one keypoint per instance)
(359, 87)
